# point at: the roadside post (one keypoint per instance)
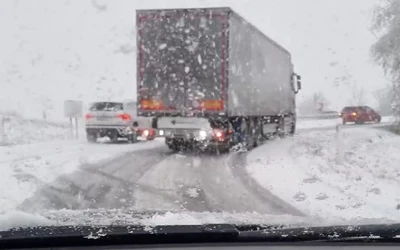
(73, 110)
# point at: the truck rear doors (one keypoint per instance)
(182, 60)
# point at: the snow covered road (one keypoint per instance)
(155, 179)
(26, 168)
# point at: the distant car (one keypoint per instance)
(359, 115)
(110, 119)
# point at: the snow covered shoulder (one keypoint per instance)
(15, 129)
(350, 175)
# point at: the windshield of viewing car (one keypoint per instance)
(226, 111)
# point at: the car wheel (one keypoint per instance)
(113, 137)
(92, 138)
(377, 120)
(344, 122)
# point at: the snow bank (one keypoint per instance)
(355, 175)
(317, 123)
(18, 130)
(25, 168)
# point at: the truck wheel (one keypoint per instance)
(292, 129)
(259, 136)
(92, 138)
(281, 127)
(249, 137)
(293, 126)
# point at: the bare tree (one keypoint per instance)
(386, 50)
(384, 98)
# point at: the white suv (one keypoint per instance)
(112, 119)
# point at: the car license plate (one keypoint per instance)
(102, 118)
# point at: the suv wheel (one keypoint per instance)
(92, 138)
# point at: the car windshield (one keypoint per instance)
(193, 112)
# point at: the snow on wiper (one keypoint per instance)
(364, 233)
(54, 236)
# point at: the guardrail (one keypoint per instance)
(319, 116)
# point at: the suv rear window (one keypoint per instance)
(353, 109)
(106, 106)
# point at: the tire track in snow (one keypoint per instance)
(110, 184)
(176, 185)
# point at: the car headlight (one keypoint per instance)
(146, 133)
(161, 132)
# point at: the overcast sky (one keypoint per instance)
(84, 49)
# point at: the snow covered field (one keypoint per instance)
(351, 175)
(25, 168)
(19, 130)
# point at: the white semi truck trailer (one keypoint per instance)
(212, 79)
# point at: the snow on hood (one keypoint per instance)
(103, 217)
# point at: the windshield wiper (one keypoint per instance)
(115, 235)
(211, 233)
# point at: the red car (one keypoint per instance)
(359, 115)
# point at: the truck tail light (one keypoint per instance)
(219, 134)
(125, 117)
(212, 105)
(88, 116)
(151, 104)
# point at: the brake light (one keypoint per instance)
(212, 105)
(218, 134)
(124, 117)
(88, 116)
(151, 104)
(146, 133)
